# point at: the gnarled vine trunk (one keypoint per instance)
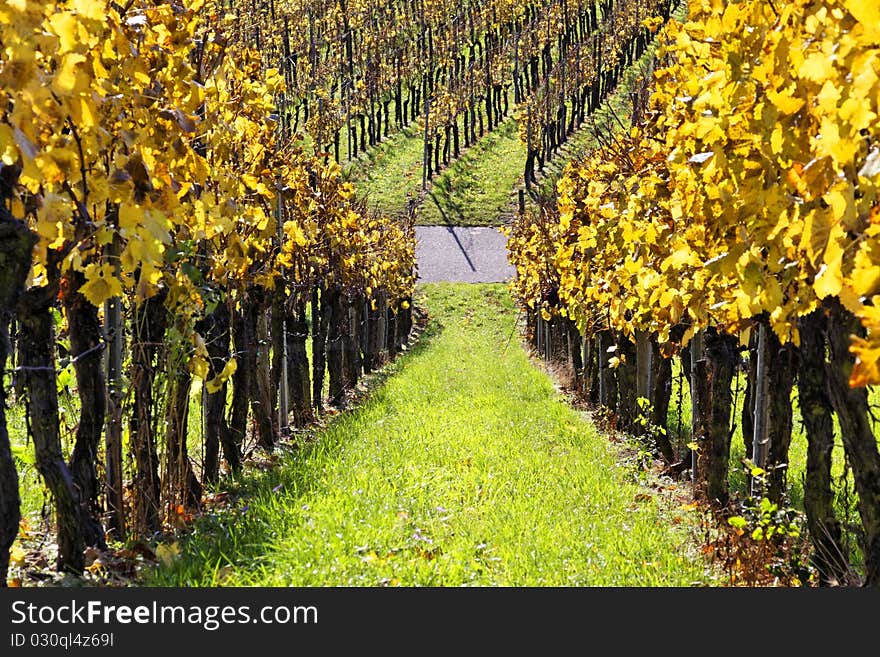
(149, 320)
(217, 432)
(320, 318)
(829, 557)
(851, 406)
(298, 365)
(256, 314)
(241, 380)
(661, 394)
(86, 348)
(16, 244)
(338, 329)
(183, 488)
(783, 361)
(36, 341)
(715, 372)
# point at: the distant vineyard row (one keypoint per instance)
(357, 72)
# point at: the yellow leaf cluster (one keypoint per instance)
(150, 128)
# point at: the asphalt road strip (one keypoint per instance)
(462, 254)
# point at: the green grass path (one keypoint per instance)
(464, 466)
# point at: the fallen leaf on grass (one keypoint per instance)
(17, 556)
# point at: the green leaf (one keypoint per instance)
(65, 377)
(193, 273)
(738, 522)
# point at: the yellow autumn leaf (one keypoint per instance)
(776, 139)
(129, 217)
(866, 370)
(829, 96)
(198, 366)
(828, 281)
(867, 12)
(17, 556)
(842, 203)
(784, 100)
(857, 113)
(87, 118)
(101, 284)
(295, 233)
(54, 220)
(93, 9)
(67, 79)
(817, 67)
(865, 275)
(677, 259)
(215, 384)
(66, 27)
(8, 148)
(817, 229)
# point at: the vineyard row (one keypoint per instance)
(738, 216)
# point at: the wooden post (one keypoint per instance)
(114, 336)
(696, 346)
(382, 327)
(604, 374)
(761, 442)
(587, 357)
(643, 365)
(283, 383)
(539, 322)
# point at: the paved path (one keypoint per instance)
(461, 254)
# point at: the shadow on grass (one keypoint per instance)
(245, 528)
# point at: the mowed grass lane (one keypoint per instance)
(464, 467)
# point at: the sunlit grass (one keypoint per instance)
(464, 467)
(478, 189)
(390, 174)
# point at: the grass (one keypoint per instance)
(613, 115)
(466, 467)
(475, 190)
(30, 484)
(390, 174)
(478, 189)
